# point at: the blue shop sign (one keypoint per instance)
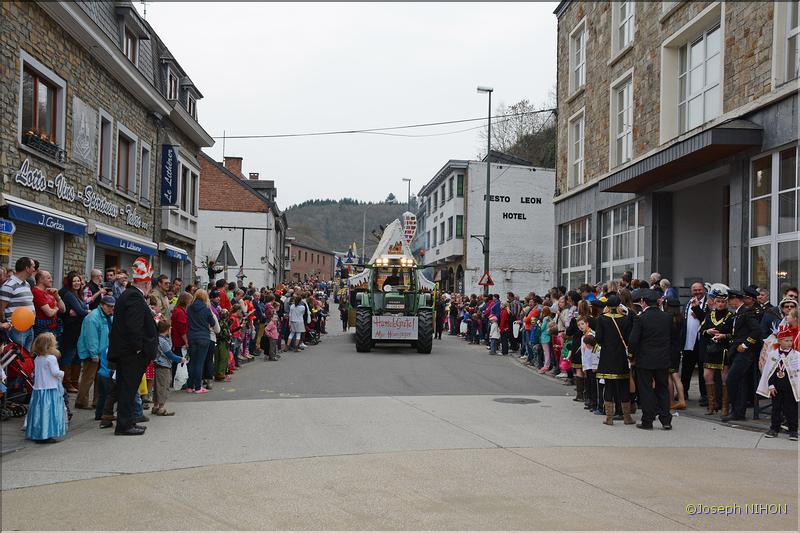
(169, 175)
(45, 220)
(177, 256)
(125, 244)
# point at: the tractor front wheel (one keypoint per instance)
(425, 332)
(363, 330)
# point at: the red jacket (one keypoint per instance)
(504, 325)
(224, 302)
(180, 326)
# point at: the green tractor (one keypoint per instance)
(394, 300)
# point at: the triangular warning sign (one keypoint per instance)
(486, 279)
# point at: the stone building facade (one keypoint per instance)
(673, 116)
(80, 168)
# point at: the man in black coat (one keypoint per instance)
(132, 343)
(652, 339)
(745, 343)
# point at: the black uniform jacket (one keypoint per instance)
(653, 339)
(613, 358)
(133, 332)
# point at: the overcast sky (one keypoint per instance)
(269, 68)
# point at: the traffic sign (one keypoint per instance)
(5, 249)
(486, 279)
(5, 238)
(7, 227)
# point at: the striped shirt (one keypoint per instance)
(17, 293)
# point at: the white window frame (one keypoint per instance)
(27, 60)
(191, 105)
(576, 180)
(692, 93)
(194, 201)
(131, 53)
(145, 173)
(774, 238)
(133, 139)
(782, 32)
(615, 158)
(579, 82)
(172, 93)
(628, 24)
(709, 17)
(586, 266)
(638, 235)
(107, 145)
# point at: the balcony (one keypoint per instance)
(179, 222)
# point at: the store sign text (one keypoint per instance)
(34, 179)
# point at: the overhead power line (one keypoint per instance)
(390, 128)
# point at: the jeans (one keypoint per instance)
(68, 356)
(23, 338)
(137, 406)
(526, 341)
(104, 390)
(198, 350)
(493, 346)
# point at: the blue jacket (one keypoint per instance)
(200, 320)
(93, 339)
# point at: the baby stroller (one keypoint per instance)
(18, 366)
(312, 337)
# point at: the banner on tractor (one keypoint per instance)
(401, 328)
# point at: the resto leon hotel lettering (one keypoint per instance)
(507, 200)
(34, 179)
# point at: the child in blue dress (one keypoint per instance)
(46, 413)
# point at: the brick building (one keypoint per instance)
(677, 146)
(80, 168)
(308, 261)
(228, 198)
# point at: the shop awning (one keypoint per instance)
(116, 238)
(679, 160)
(173, 252)
(46, 217)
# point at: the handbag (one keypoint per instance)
(625, 344)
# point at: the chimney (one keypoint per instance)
(234, 164)
(254, 176)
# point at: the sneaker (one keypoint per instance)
(771, 434)
(562, 375)
(201, 390)
(793, 435)
(302, 346)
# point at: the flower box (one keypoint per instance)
(44, 147)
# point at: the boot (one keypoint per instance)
(579, 385)
(67, 380)
(626, 413)
(609, 409)
(711, 394)
(725, 401)
(76, 376)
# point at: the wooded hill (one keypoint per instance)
(335, 224)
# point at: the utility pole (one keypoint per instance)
(364, 237)
(244, 229)
(488, 184)
(408, 202)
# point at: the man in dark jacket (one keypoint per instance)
(745, 343)
(652, 340)
(132, 343)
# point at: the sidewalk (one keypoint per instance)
(693, 409)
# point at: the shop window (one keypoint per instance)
(104, 162)
(460, 185)
(459, 226)
(126, 161)
(774, 220)
(42, 109)
(144, 175)
(622, 241)
(575, 240)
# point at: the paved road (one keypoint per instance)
(332, 439)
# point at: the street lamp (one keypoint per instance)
(489, 90)
(409, 192)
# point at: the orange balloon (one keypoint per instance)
(22, 318)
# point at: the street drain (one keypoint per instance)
(516, 400)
